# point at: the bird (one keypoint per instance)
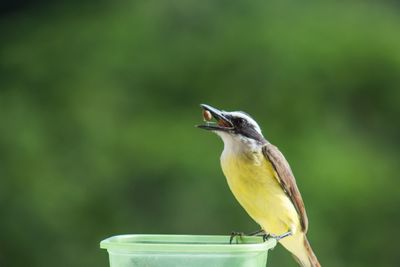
(261, 180)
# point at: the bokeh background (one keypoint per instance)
(98, 102)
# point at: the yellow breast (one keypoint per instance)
(252, 181)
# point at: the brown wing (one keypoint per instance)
(286, 179)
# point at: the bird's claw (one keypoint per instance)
(265, 236)
(235, 234)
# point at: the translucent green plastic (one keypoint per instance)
(186, 250)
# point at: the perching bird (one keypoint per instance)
(261, 180)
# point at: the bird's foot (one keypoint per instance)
(235, 234)
(260, 232)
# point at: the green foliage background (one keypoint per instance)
(98, 101)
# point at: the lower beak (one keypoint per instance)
(222, 122)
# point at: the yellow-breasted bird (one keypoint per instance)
(261, 180)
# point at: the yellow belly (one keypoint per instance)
(253, 183)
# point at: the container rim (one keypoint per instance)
(134, 243)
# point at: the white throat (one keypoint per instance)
(235, 145)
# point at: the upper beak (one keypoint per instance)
(223, 123)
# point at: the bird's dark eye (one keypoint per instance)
(239, 121)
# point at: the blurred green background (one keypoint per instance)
(98, 102)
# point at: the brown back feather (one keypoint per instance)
(287, 181)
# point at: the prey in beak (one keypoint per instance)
(215, 120)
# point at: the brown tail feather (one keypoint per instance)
(301, 250)
(310, 253)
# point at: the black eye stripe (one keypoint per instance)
(239, 120)
(250, 132)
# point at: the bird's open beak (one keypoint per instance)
(220, 123)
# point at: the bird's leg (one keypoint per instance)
(258, 232)
(277, 237)
(288, 233)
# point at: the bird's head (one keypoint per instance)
(234, 125)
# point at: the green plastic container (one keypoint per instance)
(186, 250)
